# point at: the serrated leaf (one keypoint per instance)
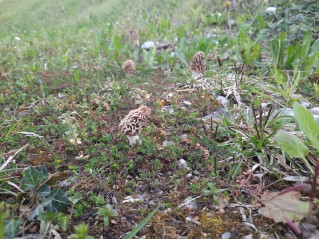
(307, 123)
(291, 144)
(284, 207)
(11, 228)
(32, 178)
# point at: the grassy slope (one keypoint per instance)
(74, 49)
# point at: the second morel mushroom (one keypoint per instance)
(132, 123)
(198, 64)
(128, 67)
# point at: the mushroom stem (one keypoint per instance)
(133, 139)
(196, 74)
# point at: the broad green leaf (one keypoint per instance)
(48, 216)
(55, 202)
(59, 201)
(1, 223)
(141, 225)
(39, 209)
(44, 171)
(307, 123)
(11, 228)
(291, 144)
(43, 191)
(33, 178)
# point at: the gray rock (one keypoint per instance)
(186, 102)
(316, 118)
(315, 111)
(284, 112)
(226, 235)
(223, 100)
(168, 108)
(306, 104)
(265, 105)
(217, 115)
(148, 45)
(167, 143)
(183, 136)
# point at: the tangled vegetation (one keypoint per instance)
(232, 152)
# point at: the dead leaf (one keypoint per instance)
(283, 207)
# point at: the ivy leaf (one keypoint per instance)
(44, 191)
(55, 202)
(11, 228)
(284, 207)
(59, 201)
(33, 178)
(307, 124)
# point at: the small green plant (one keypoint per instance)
(291, 144)
(43, 198)
(81, 232)
(69, 119)
(107, 212)
(304, 55)
(139, 227)
(50, 221)
(149, 57)
(286, 84)
(9, 228)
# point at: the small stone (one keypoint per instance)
(217, 115)
(315, 111)
(285, 112)
(168, 108)
(270, 10)
(232, 22)
(148, 45)
(167, 143)
(223, 100)
(183, 136)
(61, 95)
(226, 235)
(186, 102)
(306, 104)
(316, 118)
(265, 105)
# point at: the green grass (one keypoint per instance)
(61, 79)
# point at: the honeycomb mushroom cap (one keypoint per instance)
(131, 124)
(128, 67)
(198, 64)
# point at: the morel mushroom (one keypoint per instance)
(131, 125)
(128, 67)
(198, 64)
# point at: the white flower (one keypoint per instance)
(17, 38)
(182, 164)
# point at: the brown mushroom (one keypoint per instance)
(128, 67)
(198, 64)
(132, 123)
